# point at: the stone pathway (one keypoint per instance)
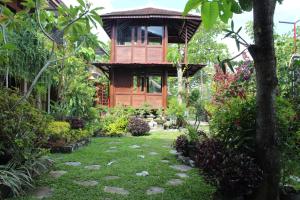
(108, 178)
(115, 190)
(165, 161)
(91, 183)
(143, 173)
(153, 153)
(57, 174)
(135, 146)
(42, 192)
(155, 190)
(92, 167)
(74, 164)
(182, 175)
(182, 168)
(175, 182)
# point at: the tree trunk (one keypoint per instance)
(180, 83)
(266, 81)
(6, 77)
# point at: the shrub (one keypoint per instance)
(232, 172)
(76, 123)
(138, 127)
(79, 134)
(181, 144)
(177, 112)
(118, 127)
(22, 128)
(59, 130)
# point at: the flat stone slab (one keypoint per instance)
(153, 153)
(92, 167)
(135, 146)
(165, 146)
(108, 178)
(113, 147)
(141, 156)
(43, 192)
(175, 182)
(155, 190)
(182, 175)
(86, 183)
(165, 161)
(111, 151)
(74, 164)
(173, 152)
(111, 162)
(57, 174)
(115, 143)
(182, 168)
(115, 190)
(143, 173)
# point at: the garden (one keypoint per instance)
(232, 131)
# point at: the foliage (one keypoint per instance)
(117, 128)
(176, 111)
(22, 129)
(192, 132)
(58, 130)
(79, 134)
(138, 127)
(76, 123)
(232, 172)
(181, 144)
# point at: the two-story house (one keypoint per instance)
(138, 69)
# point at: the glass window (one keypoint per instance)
(135, 83)
(154, 84)
(124, 35)
(143, 34)
(155, 35)
(135, 34)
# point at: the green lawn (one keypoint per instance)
(127, 164)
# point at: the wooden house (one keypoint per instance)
(138, 69)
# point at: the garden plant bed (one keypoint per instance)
(70, 147)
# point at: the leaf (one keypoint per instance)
(190, 5)
(246, 5)
(225, 11)
(235, 7)
(81, 2)
(209, 13)
(232, 26)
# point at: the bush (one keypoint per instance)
(118, 127)
(76, 123)
(138, 127)
(79, 134)
(59, 130)
(177, 112)
(232, 172)
(22, 128)
(181, 144)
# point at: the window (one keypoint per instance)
(135, 83)
(143, 34)
(135, 34)
(155, 35)
(124, 35)
(154, 84)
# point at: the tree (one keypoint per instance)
(263, 54)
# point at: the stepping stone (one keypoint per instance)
(57, 174)
(182, 175)
(115, 190)
(174, 152)
(86, 183)
(135, 146)
(115, 143)
(165, 161)
(141, 156)
(146, 145)
(153, 153)
(155, 190)
(113, 147)
(108, 178)
(182, 168)
(92, 167)
(165, 146)
(143, 173)
(175, 182)
(111, 151)
(43, 192)
(111, 162)
(74, 164)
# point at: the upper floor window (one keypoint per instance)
(155, 35)
(124, 35)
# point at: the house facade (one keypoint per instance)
(138, 69)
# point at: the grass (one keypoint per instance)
(127, 165)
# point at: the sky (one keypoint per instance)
(289, 10)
